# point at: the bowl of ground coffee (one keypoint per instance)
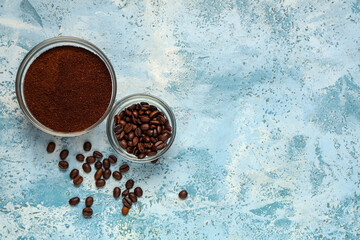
(66, 86)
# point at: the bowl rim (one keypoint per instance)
(111, 136)
(67, 41)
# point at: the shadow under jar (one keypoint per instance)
(66, 86)
(132, 142)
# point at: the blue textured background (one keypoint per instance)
(266, 95)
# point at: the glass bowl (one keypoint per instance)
(127, 102)
(37, 51)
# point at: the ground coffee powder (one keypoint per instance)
(67, 88)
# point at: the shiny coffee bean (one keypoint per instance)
(107, 174)
(138, 191)
(125, 210)
(80, 157)
(116, 192)
(146, 139)
(183, 194)
(135, 141)
(50, 147)
(154, 114)
(98, 165)
(145, 127)
(63, 165)
(118, 128)
(98, 174)
(128, 127)
(155, 161)
(87, 212)
(129, 184)
(141, 156)
(131, 136)
(86, 167)
(97, 154)
(117, 175)
(145, 119)
(74, 201)
(87, 146)
(124, 168)
(133, 197)
(74, 173)
(127, 202)
(141, 147)
(125, 193)
(123, 144)
(138, 132)
(100, 183)
(112, 159)
(63, 154)
(153, 153)
(89, 201)
(90, 159)
(78, 180)
(106, 163)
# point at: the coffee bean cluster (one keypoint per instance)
(142, 130)
(102, 174)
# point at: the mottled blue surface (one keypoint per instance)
(266, 96)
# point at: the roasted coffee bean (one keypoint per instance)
(153, 140)
(87, 212)
(136, 114)
(50, 147)
(168, 127)
(120, 136)
(138, 132)
(86, 167)
(100, 183)
(106, 163)
(133, 197)
(161, 146)
(123, 144)
(152, 126)
(144, 126)
(159, 130)
(155, 161)
(183, 194)
(129, 184)
(63, 154)
(117, 175)
(141, 156)
(154, 114)
(150, 133)
(154, 122)
(162, 119)
(146, 139)
(107, 174)
(74, 173)
(155, 134)
(123, 122)
(124, 168)
(138, 191)
(144, 103)
(147, 112)
(98, 174)
(145, 119)
(158, 143)
(128, 112)
(63, 165)
(130, 144)
(133, 119)
(97, 154)
(80, 157)
(116, 192)
(147, 151)
(128, 127)
(90, 159)
(141, 147)
(122, 114)
(127, 119)
(125, 193)
(78, 180)
(148, 145)
(131, 136)
(89, 201)
(125, 210)
(135, 141)
(112, 159)
(127, 202)
(74, 201)
(98, 165)
(87, 146)
(118, 128)
(153, 153)
(163, 137)
(129, 149)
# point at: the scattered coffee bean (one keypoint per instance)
(86, 167)
(80, 157)
(63, 165)
(124, 168)
(89, 201)
(116, 192)
(87, 212)
(97, 154)
(183, 194)
(129, 184)
(63, 154)
(74, 173)
(133, 197)
(138, 191)
(98, 165)
(78, 180)
(106, 163)
(100, 183)
(87, 146)
(117, 175)
(127, 202)
(125, 193)
(74, 201)
(125, 210)
(113, 159)
(90, 159)
(51, 147)
(155, 161)
(107, 174)
(98, 174)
